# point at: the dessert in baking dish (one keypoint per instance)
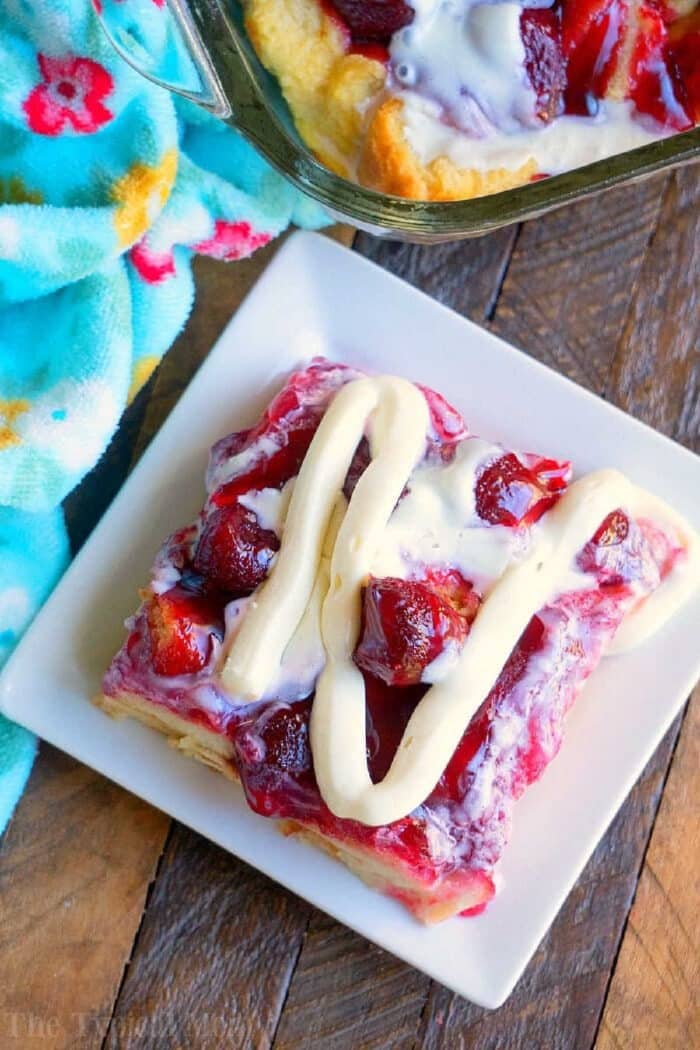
(449, 99)
(378, 623)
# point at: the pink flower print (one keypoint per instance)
(232, 240)
(71, 94)
(152, 267)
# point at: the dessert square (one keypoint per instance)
(378, 623)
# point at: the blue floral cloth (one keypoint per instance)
(108, 185)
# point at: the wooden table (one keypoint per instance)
(123, 929)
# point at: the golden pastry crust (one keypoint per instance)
(327, 89)
(389, 164)
(216, 751)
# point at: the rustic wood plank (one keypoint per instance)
(653, 999)
(570, 279)
(370, 999)
(214, 955)
(77, 860)
(465, 275)
(75, 866)
(656, 370)
(560, 997)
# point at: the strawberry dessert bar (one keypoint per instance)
(378, 623)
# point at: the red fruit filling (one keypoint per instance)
(683, 59)
(278, 444)
(405, 626)
(591, 36)
(374, 21)
(453, 588)
(656, 86)
(234, 551)
(510, 493)
(540, 29)
(181, 626)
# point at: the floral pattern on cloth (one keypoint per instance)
(108, 187)
(72, 92)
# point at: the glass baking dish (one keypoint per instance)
(225, 76)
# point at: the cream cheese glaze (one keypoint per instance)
(396, 415)
(398, 419)
(568, 142)
(470, 58)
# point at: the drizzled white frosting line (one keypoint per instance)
(397, 415)
(440, 719)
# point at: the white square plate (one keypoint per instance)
(319, 298)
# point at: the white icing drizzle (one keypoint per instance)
(269, 506)
(567, 142)
(397, 418)
(470, 58)
(436, 521)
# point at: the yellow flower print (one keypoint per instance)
(10, 411)
(14, 190)
(140, 194)
(143, 370)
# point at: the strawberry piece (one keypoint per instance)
(458, 592)
(600, 555)
(510, 493)
(406, 624)
(286, 739)
(278, 443)
(540, 29)
(683, 59)
(656, 87)
(274, 757)
(234, 551)
(591, 35)
(180, 627)
(613, 530)
(374, 20)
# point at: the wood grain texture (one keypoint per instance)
(568, 285)
(75, 866)
(214, 955)
(656, 370)
(348, 992)
(653, 999)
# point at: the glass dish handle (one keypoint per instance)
(186, 68)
